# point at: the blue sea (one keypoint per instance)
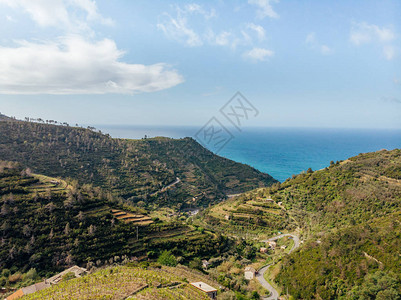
(280, 152)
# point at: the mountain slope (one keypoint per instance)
(352, 192)
(350, 214)
(133, 169)
(356, 262)
(49, 224)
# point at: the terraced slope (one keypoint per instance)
(248, 215)
(48, 224)
(133, 282)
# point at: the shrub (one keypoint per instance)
(167, 259)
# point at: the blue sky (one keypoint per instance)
(300, 63)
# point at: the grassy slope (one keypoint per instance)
(120, 282)
(133, 169)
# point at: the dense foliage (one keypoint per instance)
(357, 262)
(134, 169)
(351, 215)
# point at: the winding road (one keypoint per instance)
(259, 276)
(177, 180)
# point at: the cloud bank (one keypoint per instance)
(74, 63)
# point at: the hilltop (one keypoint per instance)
(137, 170)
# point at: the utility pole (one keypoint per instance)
(137, 233)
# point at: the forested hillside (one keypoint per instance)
(356, 262)
(350, 214)
(49, 224)
(133, 169)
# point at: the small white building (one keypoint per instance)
(204, 287)
(205, 264)
(249, 273)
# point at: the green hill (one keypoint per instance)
(355, 262)
(137, 170)
(351, 192)
(350, 216)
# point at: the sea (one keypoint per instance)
(280, 152)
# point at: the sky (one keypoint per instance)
(334, 64)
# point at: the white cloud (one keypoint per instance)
(258, 54)
(196, 8)
(183, 27)
(73, 65)
(259, 30)
(223, 39)
(363, 33)
(177, 27)
(265, 8)
(389, 52)
(58, 13)
(10, 19)
(92, 12)
(43, 12)
(314, 44)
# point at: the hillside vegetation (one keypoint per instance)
(137, 170)
(248, 215)
(356, 262)
(49, 224)
(350, 214)
(137, 282)
(351, 192)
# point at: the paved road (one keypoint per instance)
(177, 180)
(273, 292)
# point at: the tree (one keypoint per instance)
(26, 230)
(67, 229)
(81, 216)
(196, 263)
(92, 230)
(4, 210)
(167, 259)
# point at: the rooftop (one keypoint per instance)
(203, 286)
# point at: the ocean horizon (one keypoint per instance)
(280, 152)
